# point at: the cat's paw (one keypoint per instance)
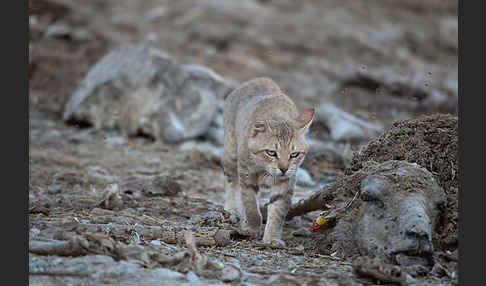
(275, 243)
(251, 231)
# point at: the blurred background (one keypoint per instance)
(382, 60)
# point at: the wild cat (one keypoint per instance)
(264, 137)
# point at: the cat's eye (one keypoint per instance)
(294, 155)
(271, 153)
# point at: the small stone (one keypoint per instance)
(57, 31)
(193, 278)
(155, 242)
(230, 273)
(53, 189)
(300, 248)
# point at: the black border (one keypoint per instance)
(15, 121)
(469, 215)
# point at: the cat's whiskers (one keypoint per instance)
(265, 175)
(268, 174)
(271, 174)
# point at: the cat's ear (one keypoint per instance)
(259, 126)
(305, 119)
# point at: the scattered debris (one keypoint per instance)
(157, 186)
(317, 201)
(111, 198)
(381, 272)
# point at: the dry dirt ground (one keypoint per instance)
(380, 60)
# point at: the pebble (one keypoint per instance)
(52, 189)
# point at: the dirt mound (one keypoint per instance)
(430, 141)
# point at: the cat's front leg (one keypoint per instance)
(251, 220)
(232, 197)
(277, 211)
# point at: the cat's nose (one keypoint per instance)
(283, 170)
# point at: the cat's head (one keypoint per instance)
(279, 145)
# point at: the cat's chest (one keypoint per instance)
(269, 183)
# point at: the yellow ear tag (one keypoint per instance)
(320, 220)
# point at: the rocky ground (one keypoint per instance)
(112, 207)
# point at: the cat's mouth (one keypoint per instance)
(272, 177)
(280, 175)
